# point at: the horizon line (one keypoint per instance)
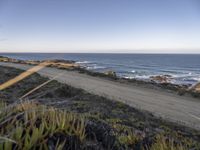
(96, 53)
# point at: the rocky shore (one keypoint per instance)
(157, 82)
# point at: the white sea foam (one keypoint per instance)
(83, 62)
(133, 71)
(143, 76)
(95, 67)
(129, 77)
(196, 79)
(139, 77)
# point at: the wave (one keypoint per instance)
(83, 62)
(141, 73)
(133, 71)
(196, 79)
(95, 67)
(143, 76)
(187, 78)
(126, 77)
(139, 77)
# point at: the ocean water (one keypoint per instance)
(183, 69)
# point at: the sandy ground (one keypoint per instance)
(180, 109)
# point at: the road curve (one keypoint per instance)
(180, 109)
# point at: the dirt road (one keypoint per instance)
(181, 109)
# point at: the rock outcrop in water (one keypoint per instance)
(111, 73)
(196, 87)
(161, 78)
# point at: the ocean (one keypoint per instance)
(183, 69)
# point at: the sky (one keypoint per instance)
(103, 26)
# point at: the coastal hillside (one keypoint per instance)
(164, 100)
(58, 116)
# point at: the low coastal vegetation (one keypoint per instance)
(28, 125)
(31, 126)
(58, 116)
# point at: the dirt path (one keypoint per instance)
(169, 106)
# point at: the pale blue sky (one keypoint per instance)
(137, 26)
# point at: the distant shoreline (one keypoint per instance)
(110, 75)
(171, 68)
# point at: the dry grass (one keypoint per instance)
(63, 65)
(161, 143)
(40, 86)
